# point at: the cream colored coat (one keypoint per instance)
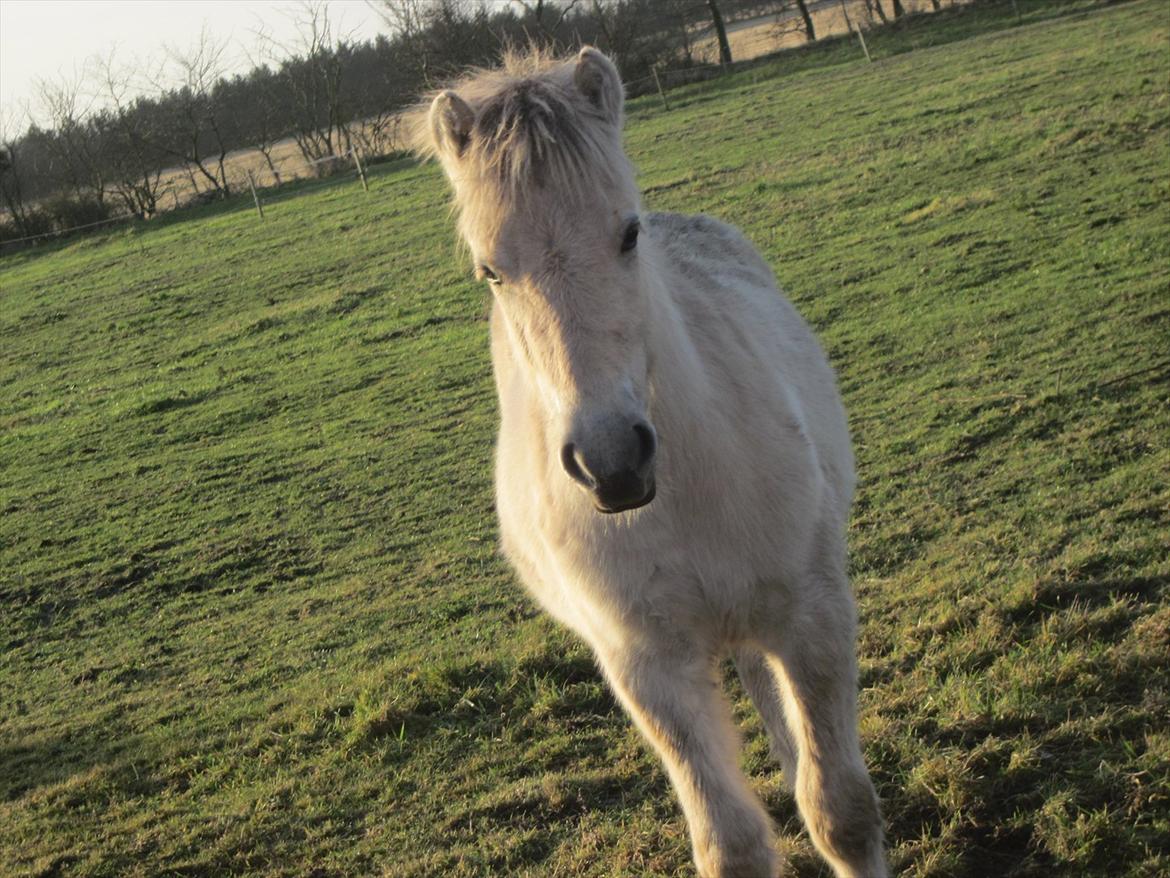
(742, 549)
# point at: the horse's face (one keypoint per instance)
(564, 264)
(568, 282)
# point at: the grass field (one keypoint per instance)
(252, 616)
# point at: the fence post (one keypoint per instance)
(661, 93)
(361, 171)
(255, 197)
(860, 38)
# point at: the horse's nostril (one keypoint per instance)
(647, 442)
(573, 468)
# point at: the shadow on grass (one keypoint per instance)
(1050, 597)
(67, 762)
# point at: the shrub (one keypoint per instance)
(35, 221)
(71, 211)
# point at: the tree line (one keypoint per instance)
(105, 146)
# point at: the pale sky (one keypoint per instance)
(52, 38)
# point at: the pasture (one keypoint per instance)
(252, 616)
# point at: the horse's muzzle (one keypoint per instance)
(618, 473)
(623, 498)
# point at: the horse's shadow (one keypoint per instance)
(50, 765)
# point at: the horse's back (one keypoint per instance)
(708, 251)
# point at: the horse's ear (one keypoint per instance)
(599, 80)
(451, 120)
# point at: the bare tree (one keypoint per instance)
(196, 72)
(378, 95)
(313, 78)
(872, 6)
(638, 34)
(135, 162)
(682, 16)
(408, 20)
(11, 190)
(260, 114)
(77, 163)
(788, 23)
(261, 103)
(536, 10)
(441, 37)
(809, 32)
(720, 32)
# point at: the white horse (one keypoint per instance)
(674, 472)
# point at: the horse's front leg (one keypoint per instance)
(814, 661)
(672, 692)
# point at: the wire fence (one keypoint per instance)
(57, 233)
(260, 171)
(773, 34)
(240, 180)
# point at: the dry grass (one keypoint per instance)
(179, 188)
(762, 36)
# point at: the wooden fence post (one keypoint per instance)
(661, 93)
(361, 171)
(860, 38)
(255, 197)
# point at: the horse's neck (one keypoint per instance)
(679, 381)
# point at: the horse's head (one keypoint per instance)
(549, 209)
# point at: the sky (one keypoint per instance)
(46, 39)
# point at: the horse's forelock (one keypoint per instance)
(533, 126)
(526, 131)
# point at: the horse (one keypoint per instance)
(673, 468)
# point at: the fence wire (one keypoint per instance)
(237, 184)
(259, 171)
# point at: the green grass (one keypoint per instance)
(252, 616)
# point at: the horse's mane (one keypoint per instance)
(534, 126)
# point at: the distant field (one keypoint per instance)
(754, 37)
(176, 189)
(252, 616)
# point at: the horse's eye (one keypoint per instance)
(630, 240)
(490, 276)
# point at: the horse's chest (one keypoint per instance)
(603, 577)
(693, 554)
